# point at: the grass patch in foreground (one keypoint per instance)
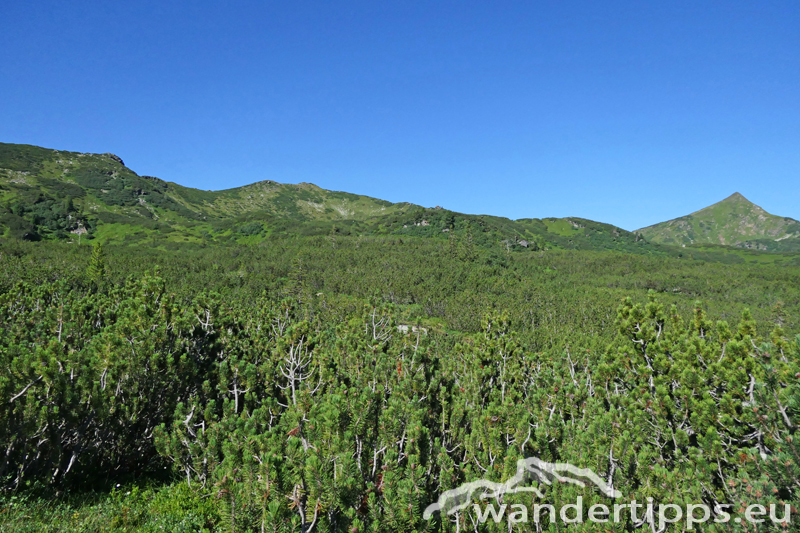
(174, 508)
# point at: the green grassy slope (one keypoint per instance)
(52, 194)
(57, 195)
(734, 221)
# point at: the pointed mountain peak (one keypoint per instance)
(735, 202)
(734, 221)
(737, 197)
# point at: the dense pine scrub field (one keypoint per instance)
(340, 384)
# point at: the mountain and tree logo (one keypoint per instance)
(528, 470)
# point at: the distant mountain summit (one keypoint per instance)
(735, 221)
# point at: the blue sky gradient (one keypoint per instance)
(629, 113)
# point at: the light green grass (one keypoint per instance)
(171, 508)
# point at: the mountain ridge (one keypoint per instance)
(60, 195)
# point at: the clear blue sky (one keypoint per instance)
(625, 112)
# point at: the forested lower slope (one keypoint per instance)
(343, 383)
